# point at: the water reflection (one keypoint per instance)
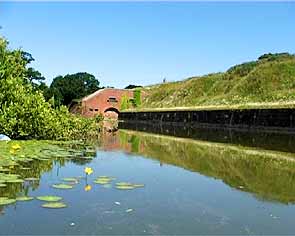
(271, 140)
(269, 175)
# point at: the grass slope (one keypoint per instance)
(266, 82)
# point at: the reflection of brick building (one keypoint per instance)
(105, 101)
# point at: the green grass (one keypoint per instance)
(268, 82)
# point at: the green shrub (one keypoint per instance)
(124, 102)
(137, 97)
(24, 113)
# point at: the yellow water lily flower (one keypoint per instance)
(88, 170)
(87, 188)
(15, 146)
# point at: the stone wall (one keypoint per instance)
(275, 119)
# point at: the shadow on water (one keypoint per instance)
(278, 141)
(269, 175)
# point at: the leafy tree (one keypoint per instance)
(132, 86)
(33, 76)
(74, 86)
(24, 113)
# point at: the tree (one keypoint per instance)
(33, 76)
(24, 113)
(74, 86)
(132, 86)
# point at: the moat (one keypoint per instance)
(188, 182)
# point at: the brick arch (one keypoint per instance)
(114, 109)
(111, 112)
(105, 101)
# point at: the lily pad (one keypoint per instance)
(15, 181)
(123, 183)
(54, 205)
(31, 179)
(49, 198)
(62, 186)
(69, 179)
(6, 201)
(138, 185)
(101, 181)
(24, 198)
(125, 187)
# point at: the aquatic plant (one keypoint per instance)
(6, 201)
(49, 198)
(24, 198)
(62, 186)
(88, 170)
(54, 205)
(127, 186)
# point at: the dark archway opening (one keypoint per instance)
(111, 113)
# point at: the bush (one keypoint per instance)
(137, 97)
(24, 113)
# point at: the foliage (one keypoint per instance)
(270, 79)
(124, 102)
(132, 86)
(33, 76)
(137, 97)
(74, 86)
(24, 113)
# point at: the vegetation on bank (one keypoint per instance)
(24, 112)
(267, 82)
(67, 88)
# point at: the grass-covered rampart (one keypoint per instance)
(265, 83)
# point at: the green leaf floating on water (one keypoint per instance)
(15, 181)
(54, 205)
(69, 179)
(125, 187)
(49, 198)
(103, 180)
(128, 186)
(31, 179)
(24, 198)
(138, 185)
(6, 201)
(62, 186)
(122, 183)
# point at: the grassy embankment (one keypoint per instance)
(268, 82)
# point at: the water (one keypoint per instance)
(191, 187)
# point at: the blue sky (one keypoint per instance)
(141, 43)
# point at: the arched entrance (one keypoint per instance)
(111, 113)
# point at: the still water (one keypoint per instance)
(190, 187)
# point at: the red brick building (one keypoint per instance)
(105, 101)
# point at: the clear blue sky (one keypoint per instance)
(140, 43)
